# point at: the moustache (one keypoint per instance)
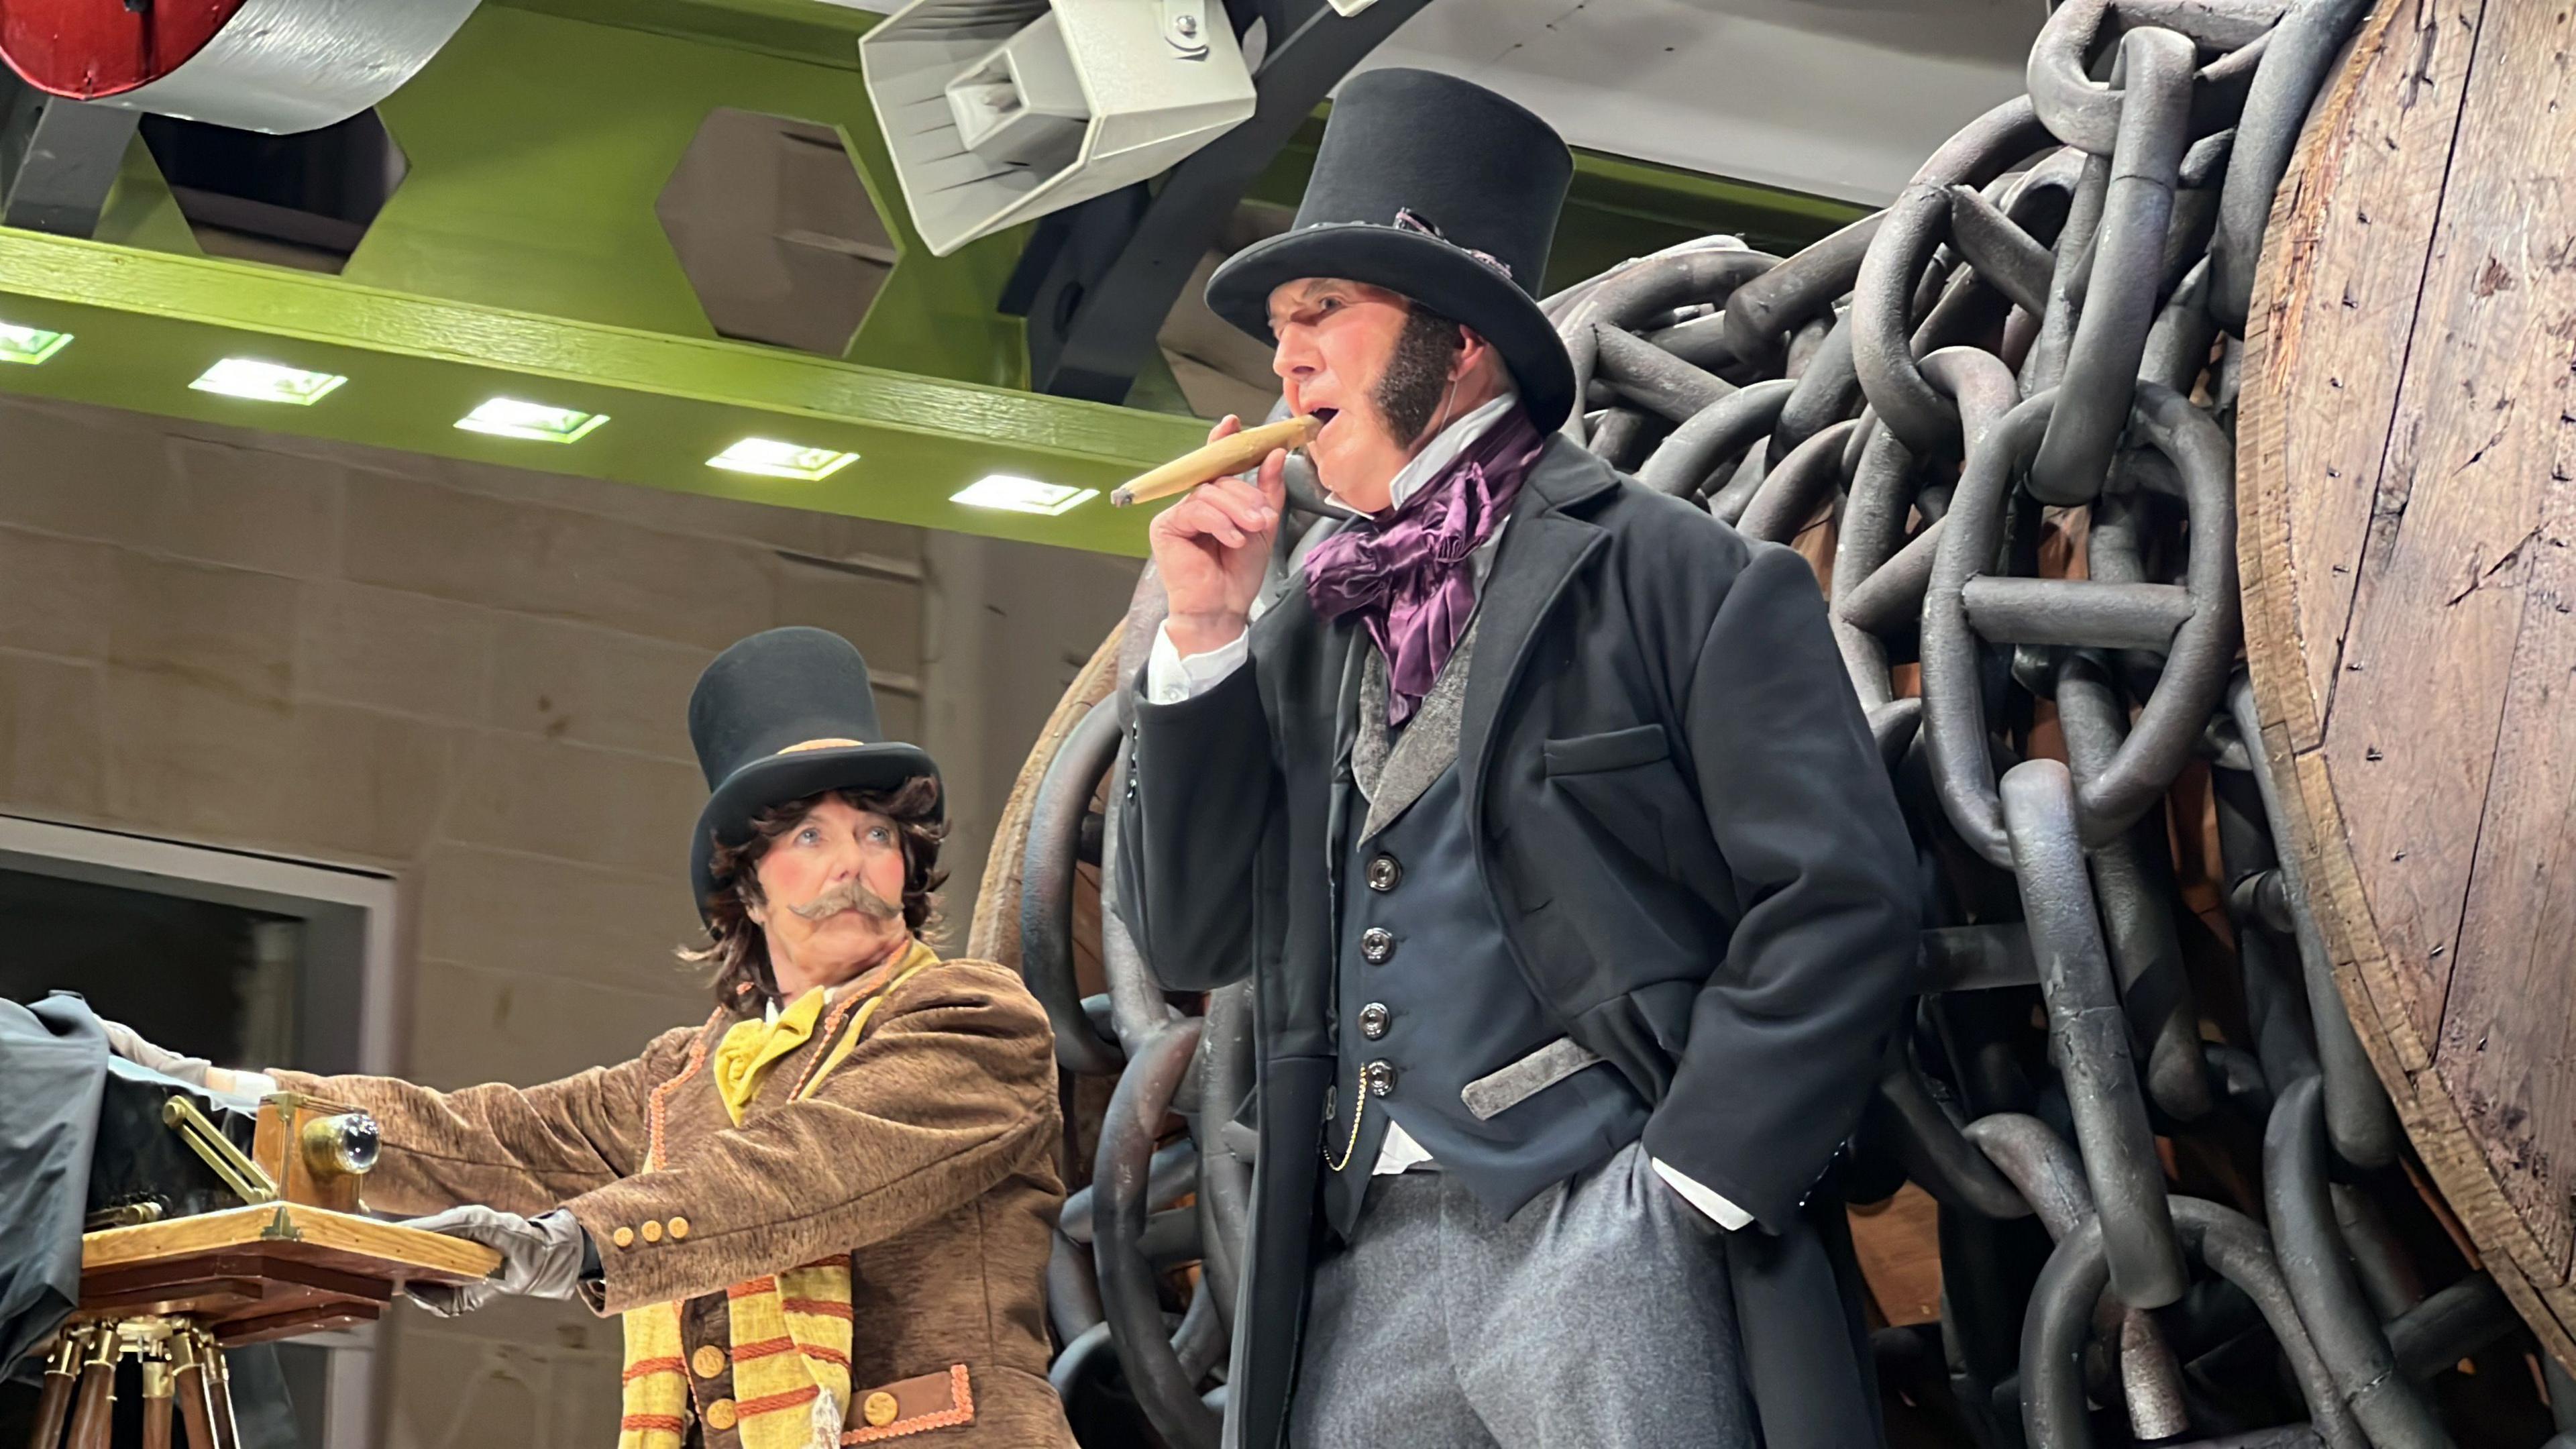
(849, 896)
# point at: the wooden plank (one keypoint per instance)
(1898, 1243)
(2505, 1063)
(2410, 732)
(317, 1235)
(2344, 257)
(993, 929)
(2407, 71)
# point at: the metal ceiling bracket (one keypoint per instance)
(58, 158)
(1185, 25)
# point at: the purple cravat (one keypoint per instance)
(1405, 573)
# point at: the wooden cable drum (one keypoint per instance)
(2406, 445)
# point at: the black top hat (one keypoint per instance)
(1441, 190)
(782, 715)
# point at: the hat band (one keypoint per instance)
(821, 745)
(1407, 220)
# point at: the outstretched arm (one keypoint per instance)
(951, 1091)
(520, 1149)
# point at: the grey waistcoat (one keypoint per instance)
(1436, 1028)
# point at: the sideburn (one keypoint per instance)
(1417, 380)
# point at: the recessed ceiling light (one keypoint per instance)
(267, 382)
(29, 344)
(771, 458)
(1024, 495)
(507, 417)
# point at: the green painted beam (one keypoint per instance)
(538, 144)
(145, 325)
(521, 257)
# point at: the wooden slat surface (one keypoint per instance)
(341, 1240)
(2404, 466)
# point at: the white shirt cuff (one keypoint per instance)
(1726, 1214)
(1172, 679)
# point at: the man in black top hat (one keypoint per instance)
(1536, 806)
(852, 1157)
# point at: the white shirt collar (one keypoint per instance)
(1445, 447)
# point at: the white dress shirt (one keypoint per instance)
(1172, 678)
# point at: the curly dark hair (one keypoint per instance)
(736, 946)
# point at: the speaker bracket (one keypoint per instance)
(1098, 278)
(1185, 26)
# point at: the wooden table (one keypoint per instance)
(2408, 546)
(175, 1294)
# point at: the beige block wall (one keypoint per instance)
(473, 679)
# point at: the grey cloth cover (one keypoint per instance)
(53, 1067)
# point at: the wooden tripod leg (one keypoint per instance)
(188, 1383)
(55, 1406)
(156, 1404)
(219, 1392)
(92, 1408)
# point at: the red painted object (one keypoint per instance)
(86, 49)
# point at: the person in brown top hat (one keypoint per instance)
(824, 1213)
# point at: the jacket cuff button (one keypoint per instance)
(652, 1231)
(623, 1237)
(678, 1228)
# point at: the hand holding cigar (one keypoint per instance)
(1214, 545)
(1220, 458)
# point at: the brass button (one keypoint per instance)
(623, 1237)
(1374, 1018)
(1379, 1078)
(651, 1230)
(1385, 872)
(1377, 945)
(679, 1228)
(721, 1414)
(880, 1409)
(709, 1361)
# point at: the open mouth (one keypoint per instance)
(1324, 417)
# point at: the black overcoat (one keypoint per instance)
(1690, 840)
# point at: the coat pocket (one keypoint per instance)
(1614, 750)
(1625, 784)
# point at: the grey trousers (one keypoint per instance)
(1596, 1317)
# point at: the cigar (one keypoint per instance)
(1226, 455)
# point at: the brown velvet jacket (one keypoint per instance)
(928, 1155)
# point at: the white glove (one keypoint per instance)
(541, 1257)
(195, 1071)
(122, 1040)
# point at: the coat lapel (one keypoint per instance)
(1393, 774)
(1303, 659)
(1542, 550)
